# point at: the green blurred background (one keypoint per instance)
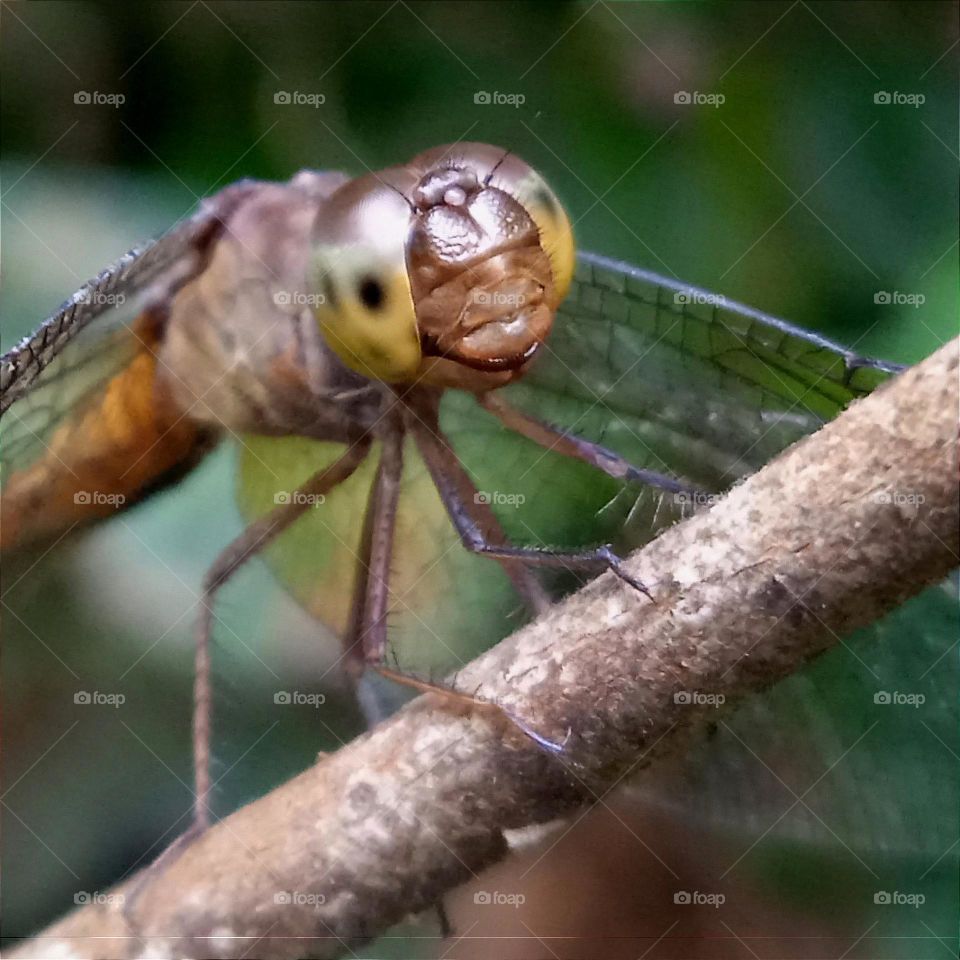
(804, 193)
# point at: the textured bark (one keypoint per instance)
(838, 530)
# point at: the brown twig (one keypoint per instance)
(834, 533)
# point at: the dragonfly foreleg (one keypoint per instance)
(365, 640)
(570, 445)
(441, 461)
(256, 536)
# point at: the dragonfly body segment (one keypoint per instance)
(126, 439)
(95, 427)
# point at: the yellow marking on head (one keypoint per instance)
(556, 233)
(367, 317)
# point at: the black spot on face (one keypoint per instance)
(371, 292)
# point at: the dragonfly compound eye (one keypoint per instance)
(367, 319)
(364, 306)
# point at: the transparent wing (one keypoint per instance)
(833, 755)
(683, 381)
(55, 384)
(121, 285)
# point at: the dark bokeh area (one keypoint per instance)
(799, 193)
(798, 157)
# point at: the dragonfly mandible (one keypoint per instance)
(420, 312)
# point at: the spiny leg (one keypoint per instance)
(253, 539)
(570, 445)
(424, 412)
(443, 464)
(250, 542)
(366, 637)
(365, 642)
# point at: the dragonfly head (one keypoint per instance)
(447, 271)
(489, 258)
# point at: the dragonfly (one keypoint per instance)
(429, 389)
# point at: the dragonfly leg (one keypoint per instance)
(570, 445)
(443, 464)
(365, 640)
(253, 539)
(256, 536)
(425, 419)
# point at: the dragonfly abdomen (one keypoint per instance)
(113, 448)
